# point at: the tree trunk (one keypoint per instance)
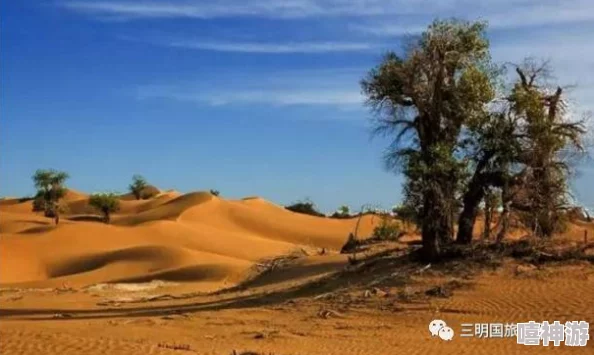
(488, 217)
(472, 200)
(435, 224)
(57, 217)
(107, 217)
(506, 201)
(431, 251)
(504, 223)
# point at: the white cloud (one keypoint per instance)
(388, 30)
(571, 57)
(285, 97)
(507, 14)
(504, 12)
(217, 9)
(337, 88)
(295, 47)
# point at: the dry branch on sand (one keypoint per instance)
(174, 346)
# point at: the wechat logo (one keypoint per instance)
(439, 328)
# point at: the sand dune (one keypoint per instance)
(194, 237)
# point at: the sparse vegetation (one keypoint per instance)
(214, 192)
(137, 186)
(50, 190)
(306, 207)
(407, 214)
(106, 203)
(388, 229)
(342, 212)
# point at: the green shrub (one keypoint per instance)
(388, 229)
(342, 212)
(214, 192)
(305, 207)
(137, 186)
(106, 203)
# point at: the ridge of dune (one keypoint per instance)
(169, 210)
(73, 195)
(267, 220)
(17, 205)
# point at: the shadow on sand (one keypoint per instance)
(362, 274)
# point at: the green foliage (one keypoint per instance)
(45, 179)
(106, 203)
(39, 203)
(306, 207)
(214, 192)
(50, 190)
(548, 136)
(137, 186)
(408, 212)
(342, 212)
(388, 229)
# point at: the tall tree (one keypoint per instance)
(137, 186)
(423, 99)
(50, 189)
(521, 146)
(550, 135)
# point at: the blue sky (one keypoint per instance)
(247, 97)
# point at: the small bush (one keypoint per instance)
(342, 212)
(305, 207)
(214, 192)
(106, 203)
(387, 230)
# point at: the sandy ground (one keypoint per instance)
(250, 275)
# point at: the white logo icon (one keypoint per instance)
(446, 333)
(436, 325)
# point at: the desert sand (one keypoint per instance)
(208, 275)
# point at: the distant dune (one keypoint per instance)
(194, 237)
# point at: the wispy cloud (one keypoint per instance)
(570, 56)
(305, 87)
(278, 48)
(229, 8)
(504, 13)
(260, 97)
